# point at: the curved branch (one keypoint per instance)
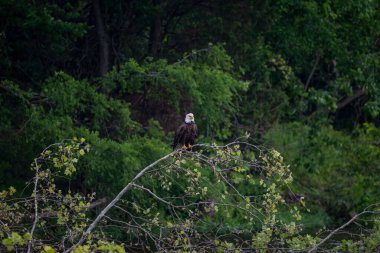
(116, 199)
(343, 103)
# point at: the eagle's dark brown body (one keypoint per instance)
(185, 135)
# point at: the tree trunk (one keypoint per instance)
(103, 39)
(155, 35)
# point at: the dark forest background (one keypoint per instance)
(300, 76)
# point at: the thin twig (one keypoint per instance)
(151, 193)
(35, 208)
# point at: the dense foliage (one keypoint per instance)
(185, 202)
(300, 76)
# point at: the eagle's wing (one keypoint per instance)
(179, 135)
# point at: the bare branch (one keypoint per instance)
(340, 228)
(312, 71)
(151, 193)
(35, 208)
(117, 198)
(357, 94)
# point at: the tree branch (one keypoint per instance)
(35, 209)
(357, 94)
(103, 39)
(54, 213)
(312, 71)
(151, 193)
(340, 228)
(117, 198)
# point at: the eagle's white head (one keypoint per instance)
(189, 118)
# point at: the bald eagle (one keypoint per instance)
(186, 133)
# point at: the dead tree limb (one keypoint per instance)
(340, 228)
(116, 199)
